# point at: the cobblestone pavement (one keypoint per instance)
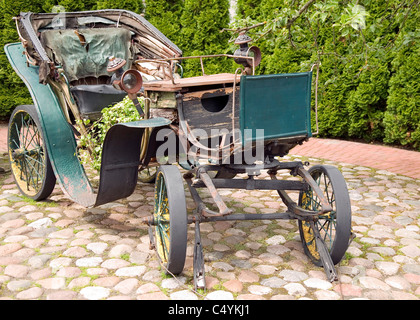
(57, 249)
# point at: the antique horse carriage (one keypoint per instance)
(222, 129)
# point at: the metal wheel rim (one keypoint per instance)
(26, 153)
(326, 224)
(170, 219)
(334, 227)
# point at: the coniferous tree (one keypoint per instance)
(12, 90)
(130, 5)
(165, 15)
(201, 23)
(402, 116)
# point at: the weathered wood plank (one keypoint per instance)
(167, 85)
(211, 110)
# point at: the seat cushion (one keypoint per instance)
(91, 99)
(84, 53)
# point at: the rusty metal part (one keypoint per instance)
(325, 256)
(252, 62)
(325, 206)
(201, 208)
(292, 206)
(131, 81)
(20, 153)
(223, 209)
(245, 51)
(148, 221)
(81, 37)
(249, 216)
(242, 38)
(115, 63)
(252, 184)
(198, 260)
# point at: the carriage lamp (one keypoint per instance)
(129, 81)
(245, 51)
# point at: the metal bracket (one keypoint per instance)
(198, 266)
(325, 256)
(152, 244)
(325, 206)
(317, 64)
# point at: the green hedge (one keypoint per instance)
(166, 16)
(12, 90)
(368, 84)
(402, 116)
(201, 22)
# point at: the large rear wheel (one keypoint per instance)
(30, 165)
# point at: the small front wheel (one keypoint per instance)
(29, 161)
(335, 226)
(170, 219)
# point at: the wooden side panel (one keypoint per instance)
(211, 109)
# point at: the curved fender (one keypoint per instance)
(120, 158)
(120, 151)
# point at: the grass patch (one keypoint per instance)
(39, 204)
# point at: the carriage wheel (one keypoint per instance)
(335, 226)
(170, 218)
(30, 164)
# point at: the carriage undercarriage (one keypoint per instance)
(315, 211)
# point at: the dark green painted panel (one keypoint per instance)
(280, 104)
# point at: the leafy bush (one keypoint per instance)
(122, 112)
